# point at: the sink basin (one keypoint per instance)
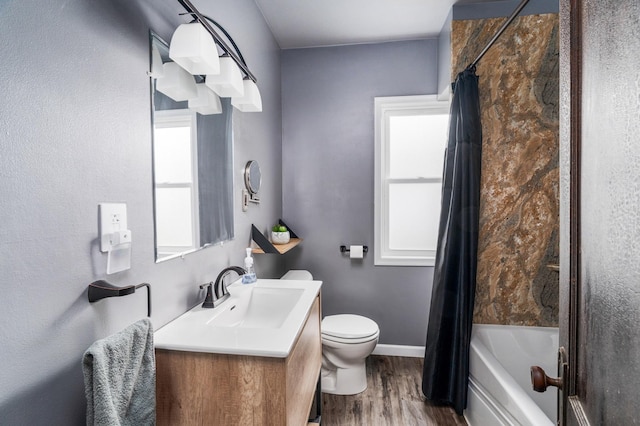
(259, 308)
(260, 319)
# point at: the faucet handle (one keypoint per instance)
(210, 298)
(209, 284)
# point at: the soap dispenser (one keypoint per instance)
(250, 274)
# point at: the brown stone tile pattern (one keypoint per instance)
(519, 220)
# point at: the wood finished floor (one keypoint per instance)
(393, 398)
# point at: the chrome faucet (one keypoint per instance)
(217, 291)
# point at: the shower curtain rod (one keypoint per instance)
(504, 26)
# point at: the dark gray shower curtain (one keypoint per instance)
(446, 361)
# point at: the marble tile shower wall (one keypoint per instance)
(519, 220)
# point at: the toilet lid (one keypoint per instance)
(347, 326)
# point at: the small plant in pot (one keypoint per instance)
(280, 234)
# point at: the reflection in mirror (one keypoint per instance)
(192, 168)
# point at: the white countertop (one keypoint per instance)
(196, 330)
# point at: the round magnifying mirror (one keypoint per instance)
(252, 177)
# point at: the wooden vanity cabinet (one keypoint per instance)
(196, 388)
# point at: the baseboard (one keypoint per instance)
(399, 350)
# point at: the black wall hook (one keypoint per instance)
(101, 289)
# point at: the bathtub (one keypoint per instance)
(500, 390)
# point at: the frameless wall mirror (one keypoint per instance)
(192, 164)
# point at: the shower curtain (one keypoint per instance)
(446, 361)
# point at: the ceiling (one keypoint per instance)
(312, 23)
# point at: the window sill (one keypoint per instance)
(405, 261)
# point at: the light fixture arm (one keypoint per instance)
(233, 43)
(203, 20)
(225, 32)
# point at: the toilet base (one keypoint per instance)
(344, 381)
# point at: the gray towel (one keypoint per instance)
(120, 379)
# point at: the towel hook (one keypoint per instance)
(101, 289)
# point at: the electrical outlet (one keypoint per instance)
(112, 219)
(117, 221)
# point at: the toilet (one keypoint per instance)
(347, 340)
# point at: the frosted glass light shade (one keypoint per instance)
(228, 83)
(176, 83)
(251, 101)
(193, 48)
(207, 102)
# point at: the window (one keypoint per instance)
(176, 179)
(410, 139)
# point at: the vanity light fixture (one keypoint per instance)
(229, 82)
(224, 80)
(193, 48)
(207, 102)
(251, 101)
(176, 83)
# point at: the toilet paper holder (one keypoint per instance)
(345, 249)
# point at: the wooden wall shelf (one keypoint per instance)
(281, 248)
(265, 246)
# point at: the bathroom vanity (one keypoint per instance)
(254, 360)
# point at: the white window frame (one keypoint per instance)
(385, 107)
(178, 118)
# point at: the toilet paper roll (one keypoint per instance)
(356, 252)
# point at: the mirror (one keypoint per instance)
(252, 177)
(192, 169)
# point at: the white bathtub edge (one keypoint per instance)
(399, 350)
(494, 392)
(481, 409)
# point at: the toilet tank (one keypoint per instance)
(297, 274)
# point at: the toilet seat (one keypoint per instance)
(333, 339)
(348, 328)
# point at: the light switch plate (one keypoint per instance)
(112, 218)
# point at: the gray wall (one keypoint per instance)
(328, 154)
(75, 131)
